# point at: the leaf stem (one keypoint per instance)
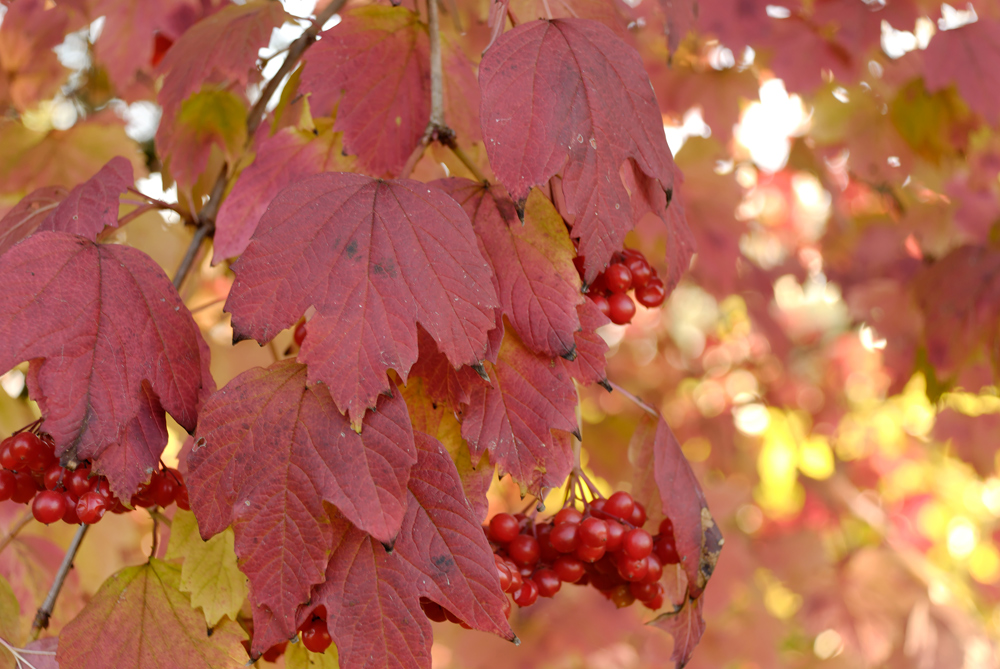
(188, 260)
(159, 517)
(15, 528)
(464, 157)
(156, 534)
(45, 610)
(160, 204)
(437, 71)
(642, 405)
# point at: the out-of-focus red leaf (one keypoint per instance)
(538, 286)
(140, 618)
(116, 343)
(497, 20)
(665, 483)
(375, 258)
(268, 452)
(30, 70)
(967, 57)
(513, 418)
(606, 114)
(591, 349)
(686, 626)
(373, 68)
(208, 120)
(84, 211)
(679, 18)
(443, 542)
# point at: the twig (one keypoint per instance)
(45, 610)
(159, 517)
(202, 307)
(160, 204)
(15, 528)
(156, 534)
(188, 260)
(136, 213)
(437, 72)
(642, 405)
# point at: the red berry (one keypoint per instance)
(42, 456)
(607, 564)
(666, 550)
(48, 507)
(638, 518)
(26, 488)
(597, 507)
(25, 447)
(503, 573)
(568, 568)
(652, 294)
(621, 308)
(7, 458)
(70, 517)
(516, 581)
(547, 581)
(91, 506)
(654, 569)
(53, 477)
(504, 528)
(567, 515)
(315, 636)
(300, 333)
(637, 544)
(616, 532)
(524, 550)
(165, 490)
(644, 591)
(632, 570)
(619, 505)
(641, 272)
(526, 594)
(604, 582)
(182, 498)
(594, 532)
(666, 527)
(622, 596)
(602, 303)
(8, 485)
(589, 553)
(433, 610)
(629, 254)
(548, 553)
(77, 481)
(599, 286)
(565, 538)
(274, 652)
(618, 277)
(656, 602)
(100, 485)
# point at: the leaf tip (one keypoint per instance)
(576, 433)
(519, 207)
(569, 354)
(604, 383)
(238, 337)
(481, 371)
(515, 640)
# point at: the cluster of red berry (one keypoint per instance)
(628, 270)
(313, 633)
(32, 474)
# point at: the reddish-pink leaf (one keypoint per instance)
(268, 452)
(667, 486)
(591, 349)
(117, 343)
(569, 96)
(217, 49)
(679, 17)
(29, 67)
(84, 211)
(967, 57)
(442, 382)
(373, 68)
(443, 541)
(533, 263)
(513, 418)
(686, 626)
(375, 258)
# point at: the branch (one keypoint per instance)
(15, 528)
(45, 610)
(437, 72)
(642, 405)
(188, 260)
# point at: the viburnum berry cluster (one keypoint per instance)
(32, 474)
(629, 270)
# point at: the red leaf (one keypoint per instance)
(443, 382)
(667, 486)
(686, 626)
(374, 257)
(443, 542)
(680, 17)
(591, 349)
(84, 211)
(605, 113)
(383, 116)
(967, 57)
(268, 452)
(31, 70)
(533, 264)
(513, 419)
(117, 342)
(282, 159)
(220, 48)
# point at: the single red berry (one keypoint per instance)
(589, 553)
(599, 286)
(638, 518)
(300, 333)
(526, 594)
(569, 569)
(666, 527)
(594, 532)
(100, 485)
(526, 571)
(618, 277)
(567, 515)
(315, 636)
(597, 507)
(91, 506)
(26, 488)
(565, 538)
(165, 490)
(516, 581)
(433, 610)
(616, 532)
(622, 596)
(666, 550)
(621, 308)
(652, 294)
(24, 446)
(547, 581)
(8, 485)
(48, 507)
(548, 553)
(77, 481)
(637, 544)
(656, 603)
(42, 456)
(607, 564)
(504, 528)
(7, 458)
(628, 254)
(632, 570)
(274, 652)
(70, 517)
(506, 607)
(524, 550)
(644, 591)
(53, 477)
(601, 302)
(654, 569)
(116, 506)
(503, 573)
(182, 498)
(641, 272)
(619, 505)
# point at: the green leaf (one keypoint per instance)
(10, 623)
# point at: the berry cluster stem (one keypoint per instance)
(45, 610)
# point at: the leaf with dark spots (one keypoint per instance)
(112, 346)
(318, 245)
(270, 479)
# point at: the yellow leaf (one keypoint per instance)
(297, 657)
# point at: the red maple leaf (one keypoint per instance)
(112, 346)
(84, 211)
(967, 57)
(383, 117)
(591, 349)
(375, 258)
(269, 451)
(606, 115)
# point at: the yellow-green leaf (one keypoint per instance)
(10, 622)
(297, 657)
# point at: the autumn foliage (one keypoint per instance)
(331, 329)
